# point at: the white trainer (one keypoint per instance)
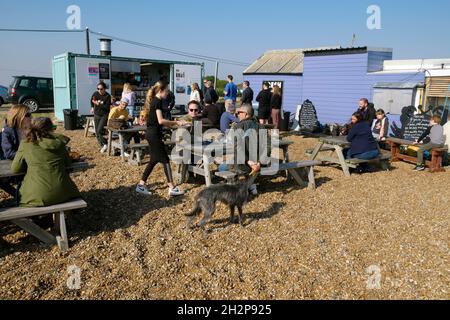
(104, 149)
(143, 190)
(175, 192)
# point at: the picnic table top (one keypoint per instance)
(401, 141)
(5, 168)
(128, 130)
(338, 141)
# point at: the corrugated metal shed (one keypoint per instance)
(280, 62)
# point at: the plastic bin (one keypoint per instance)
(286, 122)
(70, 119)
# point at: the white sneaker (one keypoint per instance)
(104, 149)
(253, 190)
(126, 154)
(175, 192)
(143, 190)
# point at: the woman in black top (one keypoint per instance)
(154, 135)
(276, 103)
(264, 98)
(101, 105)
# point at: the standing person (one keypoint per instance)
(19, 119)
(155, 124)
(264, 98)
(44, 157)
(101, 105)
(211, 113)
(231, 89)
(367, 111)
(168, 105)
(211, 93)
(130, 95)
(247, 94)
(195, 93)
(432, 138)
(228, 117)
(276, 103)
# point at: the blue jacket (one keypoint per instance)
(231, 91)
(10, 142)
(361, 137)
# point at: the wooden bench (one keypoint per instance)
(294, 168)
(228, 176)
(383, 160)
(437, 155)
(138, 151)
(90, 126)
(20, 217)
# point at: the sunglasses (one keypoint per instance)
(193, 110)
(240, 112)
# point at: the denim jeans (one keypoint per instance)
(131, 111)
(364, 156)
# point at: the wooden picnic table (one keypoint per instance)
(336, 146)
(204, 153)
(6, 172)
(333, 145)
(121, 133)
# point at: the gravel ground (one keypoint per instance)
(332, 243)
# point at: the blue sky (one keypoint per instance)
(238, 30)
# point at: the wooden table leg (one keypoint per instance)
(311, 179)
(340, 153)
(395, 151)
(317, 150)
(109, 142)
(206, 168)
(36, 231)
(122, 147)
(86, 130)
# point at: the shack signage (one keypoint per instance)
(308, 119)
(417, 125)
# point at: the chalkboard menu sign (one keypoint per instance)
(308, 117)
(417, 125)
(141, 95)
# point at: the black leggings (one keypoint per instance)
(151, 165)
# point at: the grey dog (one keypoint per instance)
(235, 196)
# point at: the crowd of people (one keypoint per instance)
(36, 149)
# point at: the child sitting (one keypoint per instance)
(121, 112)
(380, 128)
(432, 138)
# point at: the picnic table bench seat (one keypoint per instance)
(20, 217)
(291, 167)
(437, 154)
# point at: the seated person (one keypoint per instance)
(363, 144)
(121, 112)
(367, 111)
(247, 123)
(380, 127)
(228, 117)
(44, 157)
(432, 138)
(211, 113)
(194, 112)
(19, 119)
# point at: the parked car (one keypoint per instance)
(34, 92)
(3, 95)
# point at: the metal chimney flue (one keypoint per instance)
(105, 47)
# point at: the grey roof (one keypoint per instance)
(280, 62)
(346, 50)
(399, 85)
